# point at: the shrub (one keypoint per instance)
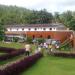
(62, 54)
(40, 40)
(15, 39)
(7, 50)
(18, 67)
(29, 39)
(1, 37)
(12, 54)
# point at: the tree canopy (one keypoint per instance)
(17, 15)
(1, 31)
(67, 18)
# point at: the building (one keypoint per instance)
(74, 40)
(48, 31)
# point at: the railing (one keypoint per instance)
(67, 41)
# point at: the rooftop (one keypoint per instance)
(37, 25)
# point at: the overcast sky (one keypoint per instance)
(50, 5)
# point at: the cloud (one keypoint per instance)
(67, 3)
(50, 5)
(55, 5)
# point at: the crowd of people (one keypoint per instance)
(47, 47)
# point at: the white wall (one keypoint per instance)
(31, 29)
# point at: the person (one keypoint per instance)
(50, 47)
(38, 49)
(41, 45)
(57, 46)
(45, 45)
(27, 48)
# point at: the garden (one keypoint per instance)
(14, 62)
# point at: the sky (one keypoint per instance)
(50, 5)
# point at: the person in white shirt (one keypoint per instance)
(27, 48)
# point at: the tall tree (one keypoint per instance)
(66, 17)
(45, 17)
(57, 17)
(71, 24)
(1, 32)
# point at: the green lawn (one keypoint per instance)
(49, 65)
(12, 45)
(15, 45)
(2, 53)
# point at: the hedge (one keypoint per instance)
(18, 67)
(12, 54)
(63, 54)
(7, 50)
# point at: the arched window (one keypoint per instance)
(40, 36)
(50, 28)
(17, 29)
(44, 28)
(48, 36)
(22, 29)
(10, 29)
(33, 36)
(29, 29)
(35, 28)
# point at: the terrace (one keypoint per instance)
(47, 65)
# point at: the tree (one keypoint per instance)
(57, 17)
(66, 17)
(72, 24)
(44, 16)
(1, 32)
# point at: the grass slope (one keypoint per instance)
(12, 59)
(49, 65)
(12, 45)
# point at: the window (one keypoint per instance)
(29, 29)
(44, 28)
(17, 29)
(50, 28)
(10, 29)
(33, 36)
(23, 29)
(40, 36)
(35, 28)
(48, 36)
(54, 28)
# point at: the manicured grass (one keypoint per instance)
(12, 59)
(15, 45)
(2, 53)
(47, 65)
(12, 45)
(50, 65)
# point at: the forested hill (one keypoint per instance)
(18, 15)
(11, 15)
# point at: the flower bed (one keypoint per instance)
(18, 67)
(63, 54)
(7, 50)
(12, 54)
